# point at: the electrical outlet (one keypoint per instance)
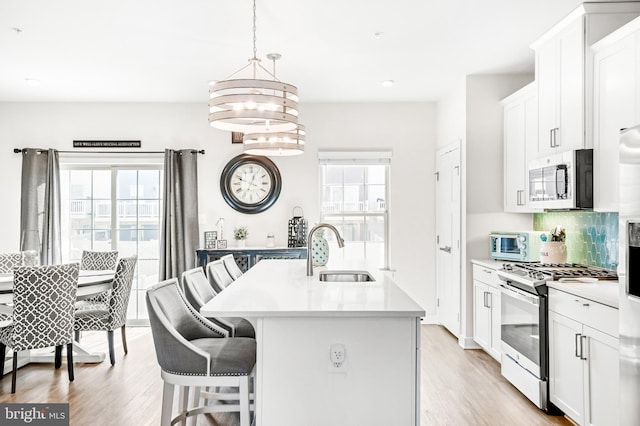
(337, 358)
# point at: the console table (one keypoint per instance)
(247, 257)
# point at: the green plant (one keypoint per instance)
(240, 233)
(558, 234)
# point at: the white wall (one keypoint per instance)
(407, 129)
(471, 113)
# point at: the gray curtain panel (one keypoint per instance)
(40, 228)
(180, 234)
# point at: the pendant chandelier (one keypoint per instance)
(280, 143)
(259, 103)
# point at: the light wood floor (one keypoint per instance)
(458, 387)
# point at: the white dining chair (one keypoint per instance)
(232, 267)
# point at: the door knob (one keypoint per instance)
(446, 249)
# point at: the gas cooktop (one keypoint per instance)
(533, 275)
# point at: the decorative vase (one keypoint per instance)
(241, 243)
(319, 250)
(553, 252)
(271, 241)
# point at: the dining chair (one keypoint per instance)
(112, 314)
(43, 299)
(198, 291)
(8, 261)
(98, 260)
(218, 276)
(231, 265)
(195, 353)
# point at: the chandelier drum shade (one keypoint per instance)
(277, 143)
(255, 103)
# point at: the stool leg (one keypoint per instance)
(58, 357)
(15, 371)
(3, 354)
(244, 401)
(167, 404)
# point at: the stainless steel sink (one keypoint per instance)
(345, 276)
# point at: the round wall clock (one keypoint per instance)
(250, 183)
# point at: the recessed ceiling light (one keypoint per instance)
(378, 34)
(17, 30)
(387, 83)
(32, 82)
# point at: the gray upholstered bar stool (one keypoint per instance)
(195, 353)
(218, 275)
(198, 291)
(231, 265)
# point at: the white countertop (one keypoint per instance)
(281, 288)
(490, 263)
(605, 292)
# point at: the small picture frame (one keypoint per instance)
(221, 244)
(210, 238)
(236, 137)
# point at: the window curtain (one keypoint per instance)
(180, 234)
(40, 221)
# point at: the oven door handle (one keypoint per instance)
(519, 294)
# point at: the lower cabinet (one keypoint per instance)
(486, 311)
(583, 361)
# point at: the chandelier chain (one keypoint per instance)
(255, 50)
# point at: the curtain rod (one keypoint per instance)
(18, 151)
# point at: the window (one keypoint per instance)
(355, 199)
(115, 208)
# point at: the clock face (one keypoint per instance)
(250, 184)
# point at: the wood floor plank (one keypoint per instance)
(458, 387)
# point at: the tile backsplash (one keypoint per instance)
(592, 238)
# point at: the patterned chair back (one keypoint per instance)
(98, 260)
(231, 265)
(8, 261)
(43, 312)
(197, 289)
(121, 292)
(218, 275)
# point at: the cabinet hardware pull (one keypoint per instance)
(583, 340)
(487, 271)
(577, 342)
(489, 300)
(484, 299)
(519, 197)
(586, 305)
(551, 138)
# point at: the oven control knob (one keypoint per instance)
(540, 276)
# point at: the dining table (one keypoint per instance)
(90, 283)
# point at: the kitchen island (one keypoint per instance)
(372, 328)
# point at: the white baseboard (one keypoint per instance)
(467, 343)
(429, 319)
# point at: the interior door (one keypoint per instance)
(448, 237)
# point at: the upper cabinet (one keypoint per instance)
(520, 145)
(616, 105)
(564, 74)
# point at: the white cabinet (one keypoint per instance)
(616, 106)
(564, 74)
(583, 359)
(486, 310)
(560, 77)
(520, 145)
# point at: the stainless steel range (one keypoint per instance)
(523, 306)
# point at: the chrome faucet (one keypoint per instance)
(314, 229)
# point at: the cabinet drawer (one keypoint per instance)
(588, 312)
(485, 275)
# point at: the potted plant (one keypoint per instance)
(240, 235)
(553, 248)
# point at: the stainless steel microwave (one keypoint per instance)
(516, 246)
(562, 181)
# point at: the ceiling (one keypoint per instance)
(168, 50)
